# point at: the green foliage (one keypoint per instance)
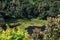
(29, 8)
(19, 33)
(52, 30)
(12, 34)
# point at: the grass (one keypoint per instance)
(26, 23)
(21, 33)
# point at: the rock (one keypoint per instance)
(37, 29)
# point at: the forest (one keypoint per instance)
(29, 19)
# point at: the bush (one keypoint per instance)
(29, 8)
(13, 34)
(53, 29)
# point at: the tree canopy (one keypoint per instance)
(29, 8)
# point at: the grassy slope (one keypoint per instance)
(26, 23)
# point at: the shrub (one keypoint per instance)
(13, 34)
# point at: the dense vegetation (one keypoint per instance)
(51, 32)
(20, 14)
(28, 9)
